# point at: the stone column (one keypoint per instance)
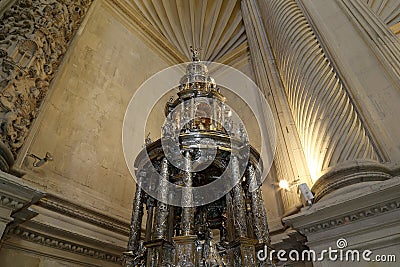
(339, 66)
(333, 133)
(289, 158)
(366, 54)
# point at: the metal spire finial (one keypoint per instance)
(195, 53)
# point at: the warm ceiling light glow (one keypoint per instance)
(313, 168)
(284, 184)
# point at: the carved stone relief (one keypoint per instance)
(34, 35)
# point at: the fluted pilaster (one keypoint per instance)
(329, 126)
(289, 161)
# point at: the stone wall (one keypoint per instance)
(34, 36)
(85, 215)
(81, 124)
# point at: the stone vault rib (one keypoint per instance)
(387, 10)
(215, 26)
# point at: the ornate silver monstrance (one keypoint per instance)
(199, 145)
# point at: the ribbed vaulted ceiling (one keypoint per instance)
(215, 26)
(387, 10)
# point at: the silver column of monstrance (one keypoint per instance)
(225, 232)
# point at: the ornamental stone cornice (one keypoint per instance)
(70, 233)
(351, 217)
(346, 206)
(58, 225)
(63, 244)
(65, 207)
(349, 173)
(15, 199)
(14, 195)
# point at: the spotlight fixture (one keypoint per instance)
(40, 161)
(286, 185)
(304, 192)
(306, 196)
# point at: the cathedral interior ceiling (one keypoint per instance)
(214, 26)
(387, 10)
